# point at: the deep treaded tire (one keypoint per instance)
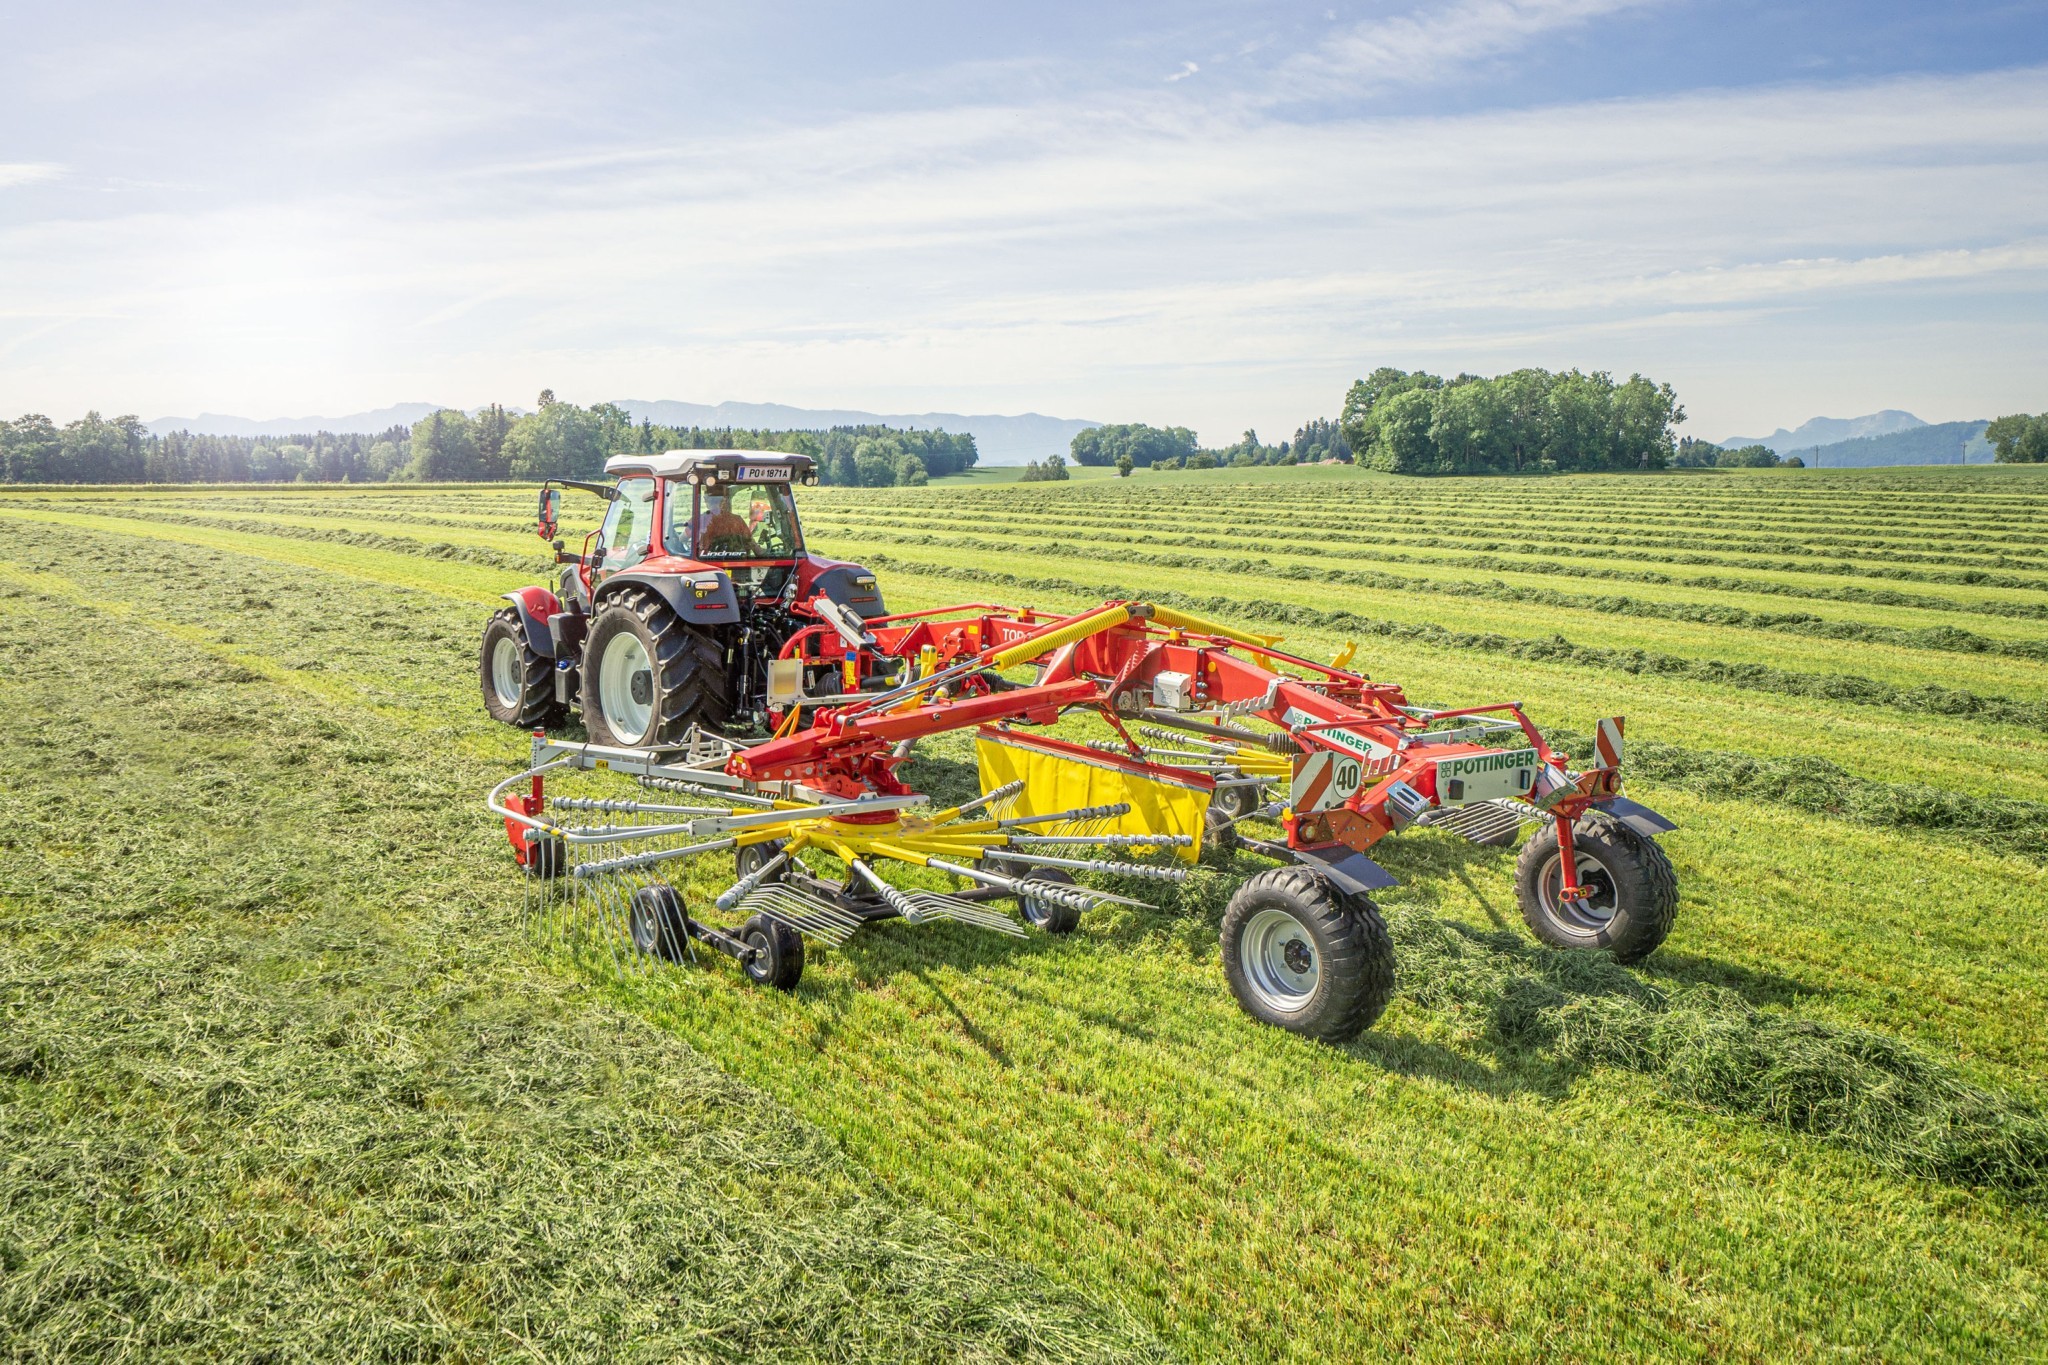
(778, 953)
(518, 683)
(1300, 954)
(662, 679)
(1634, 888)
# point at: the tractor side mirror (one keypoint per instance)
(550, 513)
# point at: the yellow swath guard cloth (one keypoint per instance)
(1058, 778)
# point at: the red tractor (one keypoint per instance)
(678, 606)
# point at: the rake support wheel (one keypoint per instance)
(518, 682)
(648, 677)
(1300, 954)
(659, 925)
(1632, 889)
(778, 959)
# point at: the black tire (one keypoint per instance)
(778, 953)
(1219, 833)
(686, 681)
(1039, 913)
(1634, 888)
(547, 856)
(745, 860)
(1301, 955)
(659, 925)
(1236, 802)
(524, 693)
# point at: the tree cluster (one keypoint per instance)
(2019, 439)
(1101, 447)
(1527, 420)
(1054, 469)
(96, 449)
(1692, 454)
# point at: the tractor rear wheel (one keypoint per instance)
(1631, 889)
(518, 681)
(659, 925)
(778, 953)
(1301, 954)
(648, 677)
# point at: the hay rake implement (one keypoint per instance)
(1210, 730)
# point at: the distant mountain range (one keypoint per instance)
(1000, 439)
(1890, 437)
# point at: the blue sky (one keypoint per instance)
(1199, 213)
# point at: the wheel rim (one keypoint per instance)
(643, 930)
(1593, 913)
(625, 659)
(507, 672)
(1281, 964)
(763, 966)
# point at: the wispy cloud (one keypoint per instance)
(27, 172)
(1187, 69)
(1429, 44)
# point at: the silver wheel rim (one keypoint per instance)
(507, 672)
(624, 657)
(1593, 914)
(1281, 964)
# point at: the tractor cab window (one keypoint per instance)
(628, 526)
(738, 521)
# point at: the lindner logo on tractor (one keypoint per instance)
(765, 723)
(1323, 780)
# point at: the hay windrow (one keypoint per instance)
(1708, 1047)
(1928, 700)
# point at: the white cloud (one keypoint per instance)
(1428, 44)
(14, 173)
(1187, 69)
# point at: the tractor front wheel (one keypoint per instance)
(648, 677)
(1300, 954)
(518, 681)
(1629, 890)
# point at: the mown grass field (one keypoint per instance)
(283, 1069)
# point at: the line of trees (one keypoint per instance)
(2019, 439)
(1419, 423)
(1693, 454)
(1138, 446)
(560, 440)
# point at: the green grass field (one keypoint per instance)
(285, 1074)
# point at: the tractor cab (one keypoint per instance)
(728, 510)
(673, 612)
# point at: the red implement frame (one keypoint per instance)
(850, 750)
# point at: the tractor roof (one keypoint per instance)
(717, 466)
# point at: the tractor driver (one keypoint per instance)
(722, 531)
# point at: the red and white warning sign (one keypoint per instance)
(1323, 780)
(1607, 743)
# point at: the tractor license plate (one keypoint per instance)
(1485, 777)
(764, 473)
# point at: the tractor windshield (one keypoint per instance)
(737, 521)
